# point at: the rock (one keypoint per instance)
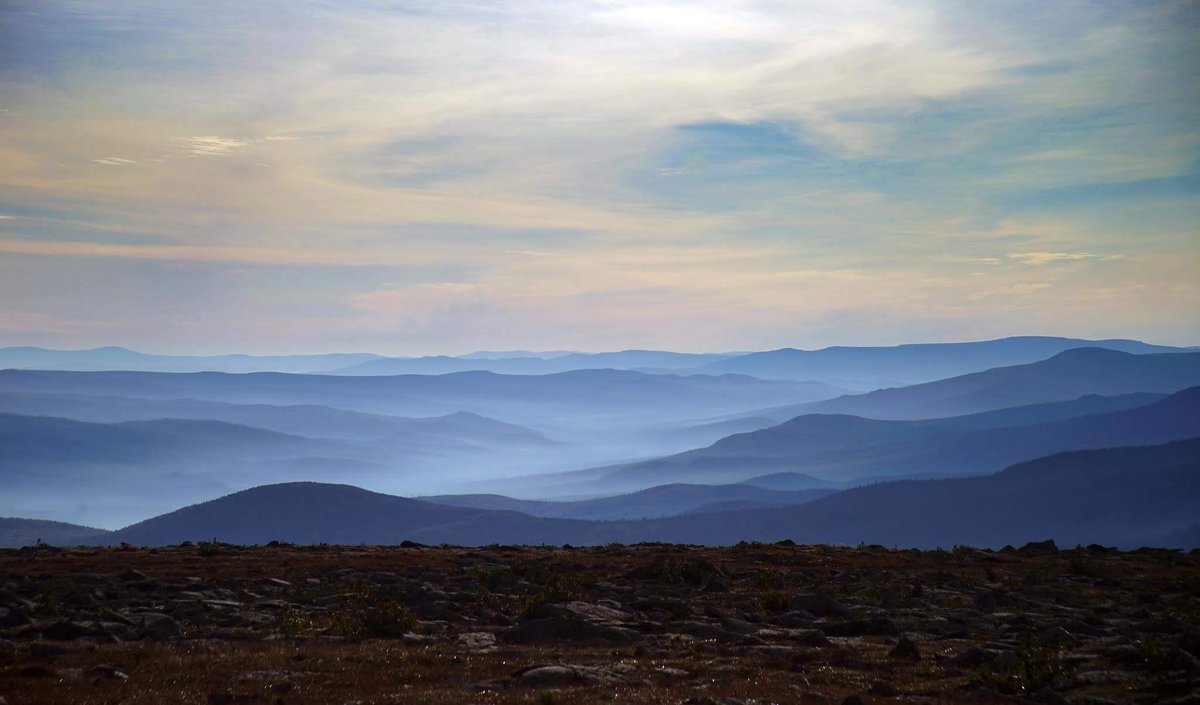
(1039, 547)
(13, 617)
(854, 700)
(1126, 654)
(236, 698)
(818, 605)
(155, 625)
(596, 613)
(560, 675)
(1049, 696)
(809, 637)
(46, 649)
(131, 576)
(738, 626)
(972, 658)
(703, 630)
(1056, 636)
(795, 619)
(477, 640)
(569, 630)
(877, 626)
(905, 650)
(65, 631)
(109, 673)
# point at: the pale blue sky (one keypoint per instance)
(421, 177)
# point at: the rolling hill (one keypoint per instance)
(1113, 496)
(1067, 375)
(312, 420)
(847, 448)
(1120, 496)
(909, 364)
(305, 512)
(15, 533)
(661, 501)
(623, 396)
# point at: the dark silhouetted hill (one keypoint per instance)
(663, 501)
(1113, 496)
(15, 533)
(308, 512)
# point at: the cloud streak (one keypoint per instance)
(666, 167)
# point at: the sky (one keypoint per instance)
(439, 177)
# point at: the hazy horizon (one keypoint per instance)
(550, 351)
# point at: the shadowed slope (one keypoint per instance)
(844, 447)
(1067, 375)
(15, 533)
(1117, 496)
(919, 362)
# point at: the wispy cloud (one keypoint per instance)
(1038, 259)
(665, 168)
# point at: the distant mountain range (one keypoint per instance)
(611, 452)
(909, 364)
(1114, 496)
(116, 358)
(641, 360)
(850, 367)
(313, 420)
(109, 472)
(581, 394)
(842, 447)
(1067, 375)
(707, 432)
(1118, 496)
(408, 433)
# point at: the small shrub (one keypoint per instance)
(366, 613)
(1034, 667)
(292, 623)
(774, 601)
(207, 549)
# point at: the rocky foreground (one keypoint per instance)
(753, 623)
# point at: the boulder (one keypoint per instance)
(557, 675)
(818, 605)
(155, 625)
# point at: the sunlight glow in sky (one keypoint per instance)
(442, 176)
